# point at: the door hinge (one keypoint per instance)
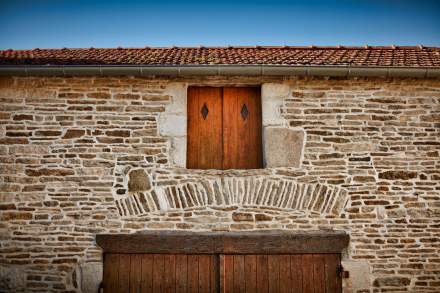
(343, 273)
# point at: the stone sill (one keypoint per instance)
(246, 242)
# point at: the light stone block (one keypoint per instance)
(178, 151)
(173, 122)
(91, 277)
(283, 147)
(359, 275)
(172, 125)
(272, 99)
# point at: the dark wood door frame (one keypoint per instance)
(258, 242)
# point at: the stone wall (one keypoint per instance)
(81, 156)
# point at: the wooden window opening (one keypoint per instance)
(224, 128)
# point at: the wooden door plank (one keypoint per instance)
(124, 273)
(214, 273)
(242, 143)
(111, 271)
(262, 274)
(307, 273)
(181, 273)
(319, 273)
(204, 273)
(135, 272)
(254, 147)
(228, 273)
(285, 277)
(333, 282)
(193, 273)
(147, 273)
(169, 273)
(296, 273)
(239, 277)
(158, 272)
(273, 264)
(204, 134)
(250, 267)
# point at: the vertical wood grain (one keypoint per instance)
(214, 274)
(124, 273)
(237, 273)
(111, 271)
(228, 274)
(204, 136)
(147, 273)
(242, 138)
(158, 272)
(285, 277)
(333, 282)
(204, 273)
(239, 276)
(169, 273)
(296, 272)
(273, 264)
(307, 263)
(250, 267)
(193, 273)
(262, 274)
(319, 273)
(181, 273)
(135, 272)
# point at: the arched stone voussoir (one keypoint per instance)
(237, 191)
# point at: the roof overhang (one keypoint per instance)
(218, 70)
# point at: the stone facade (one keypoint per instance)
(81, 156)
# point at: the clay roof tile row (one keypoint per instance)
(404, 56)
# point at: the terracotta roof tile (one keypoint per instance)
(408, 56)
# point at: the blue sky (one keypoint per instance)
(85, 23)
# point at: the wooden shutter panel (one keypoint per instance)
(204, 149)
(242, 138)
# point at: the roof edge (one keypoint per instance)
(219, 70)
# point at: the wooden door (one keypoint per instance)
(157, 273)
(295, 273)
(242, 137)
(224, 128)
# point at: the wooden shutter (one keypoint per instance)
(242, 145)
(224, 128)
(204, 149)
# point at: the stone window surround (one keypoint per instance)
(276, 132)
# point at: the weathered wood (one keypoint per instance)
(204, 150)
(333, 281)
(147, 273)
(250, 267)
(111, 271)
(135, 272)
(242, 133)
(261, 242)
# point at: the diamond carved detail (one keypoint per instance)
(204, 111)
(244, 112)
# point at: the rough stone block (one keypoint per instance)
(12, 279)
(398, 175)
(283, 147)
(138, 181)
